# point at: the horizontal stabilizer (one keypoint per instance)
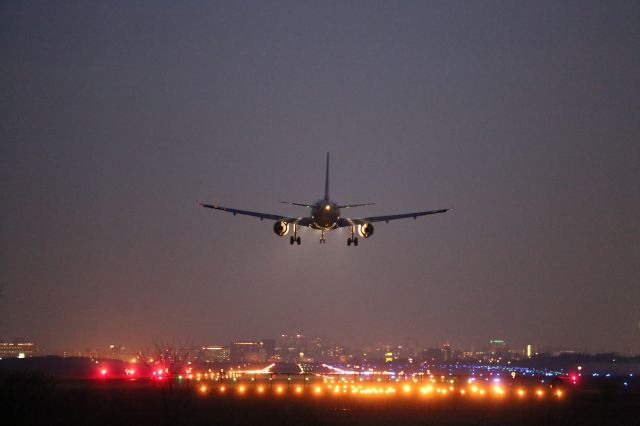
(297, 204)
(348, 206)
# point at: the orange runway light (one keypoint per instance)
(203, 389)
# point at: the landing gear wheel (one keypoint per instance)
(349, 241)
(291, 240)
(355, 241)
(298, 240)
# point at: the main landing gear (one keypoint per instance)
(352, 239)
(294, 238)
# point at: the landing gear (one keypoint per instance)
(294, 238)
(352, 239)
(322, 240)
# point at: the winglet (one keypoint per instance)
(326, 180)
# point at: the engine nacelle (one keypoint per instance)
(281, 228)
(365, 230)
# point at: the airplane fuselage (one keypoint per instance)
(324, 214)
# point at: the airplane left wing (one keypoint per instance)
(303, 221)
(345, 221)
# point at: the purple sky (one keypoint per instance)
(116, 117)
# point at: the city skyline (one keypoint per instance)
(308, 347)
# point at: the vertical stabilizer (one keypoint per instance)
(326, 180)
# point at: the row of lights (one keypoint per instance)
(389, 390)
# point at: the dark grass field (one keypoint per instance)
(38, 400)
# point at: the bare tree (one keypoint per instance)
(165, 363)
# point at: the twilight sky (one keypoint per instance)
(116, 117)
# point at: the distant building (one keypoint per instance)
(117, 352)
(290, 346)
(17, 349)
(433, 355)
(447, 353)
(243, 352)
(498, 349)
(269, 346)
(315, 349)
(215, 354)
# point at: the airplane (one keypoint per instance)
(325, 216)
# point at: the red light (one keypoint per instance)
(103, 371)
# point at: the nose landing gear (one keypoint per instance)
(322, 240)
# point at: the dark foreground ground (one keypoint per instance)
(38, 400)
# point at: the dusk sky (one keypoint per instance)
(523, 116)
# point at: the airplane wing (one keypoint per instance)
(345, 221)
(302, 221)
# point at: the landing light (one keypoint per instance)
(327, 207)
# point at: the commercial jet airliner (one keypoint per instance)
(325, 216)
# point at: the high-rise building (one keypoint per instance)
(447, 353)
(269, 346)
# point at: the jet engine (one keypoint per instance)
(365, 230)
(281, 228)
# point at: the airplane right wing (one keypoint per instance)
(344, 221)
